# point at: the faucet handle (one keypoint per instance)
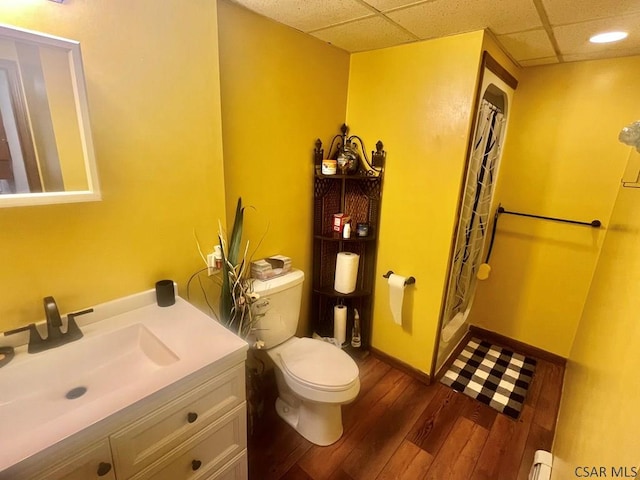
(73, 331)
(73, 315)
(16, 330)
(35, 339)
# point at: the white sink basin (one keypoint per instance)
(131, 349)
(58, 380)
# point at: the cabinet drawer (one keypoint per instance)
(201, 456)
(236, 469)
(93, 463)
(152, 436)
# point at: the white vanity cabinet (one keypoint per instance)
(92, 463)
(189, 437)
(196, 435)
(176, 416)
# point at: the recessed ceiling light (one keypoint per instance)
(608, 37)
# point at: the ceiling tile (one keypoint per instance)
(384, 5)
(356, 36)
(579, 57)
(539, 61)
(446, 17)
(357, 25)
(307, 16)
(574, 39)
(527, 45)
(562, 13)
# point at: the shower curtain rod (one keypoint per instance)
(594, 223)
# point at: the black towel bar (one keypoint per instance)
(594, 223)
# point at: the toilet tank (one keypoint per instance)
(278, 308)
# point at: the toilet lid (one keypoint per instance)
(319, 365)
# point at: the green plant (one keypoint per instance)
(236, 295)
(235, 307)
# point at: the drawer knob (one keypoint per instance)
(192, 417)
(103, 468)
(195, 465)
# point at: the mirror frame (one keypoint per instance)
(74, 56)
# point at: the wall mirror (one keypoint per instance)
(46, 148)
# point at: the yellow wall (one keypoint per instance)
(598, 423)
(281, 90)
(156, 114)
(418, 100)
(561, 159)
(154, 100)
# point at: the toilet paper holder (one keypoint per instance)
(408, 281)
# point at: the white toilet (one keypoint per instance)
(314, 378)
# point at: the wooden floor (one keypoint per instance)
(399, 428)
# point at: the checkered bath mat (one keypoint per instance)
(493, 375)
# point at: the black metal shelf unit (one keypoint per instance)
(357, 195)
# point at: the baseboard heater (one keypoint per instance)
(541, 468)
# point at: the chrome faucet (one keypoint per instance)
(55, 337)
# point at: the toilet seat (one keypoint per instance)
(319, 365)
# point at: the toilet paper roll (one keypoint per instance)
(346, 272)
(396, 296)
(340, 323)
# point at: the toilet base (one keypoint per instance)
(320, 423)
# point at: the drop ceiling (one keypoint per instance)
(532, 32)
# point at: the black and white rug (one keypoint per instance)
(493, 375)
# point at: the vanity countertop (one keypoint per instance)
(180, 341)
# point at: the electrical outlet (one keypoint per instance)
(214, 260)
(211, 264)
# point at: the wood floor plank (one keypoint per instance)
(371, 376)
(409, 462)
(433, 426)
(539, 438)
(369, 457)
(459, 453)
(397, 430)
(510, 461)
(367, 365)
(321, 462)
(280, 456)
(533, 393)
(549, 401)
(296, 473)
(479, 412)
(271, 460)
(340, 474)
(498, 445)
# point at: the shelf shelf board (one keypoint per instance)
(338, 238)
(331, 292)
(354, 176)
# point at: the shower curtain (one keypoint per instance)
(475, 215)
